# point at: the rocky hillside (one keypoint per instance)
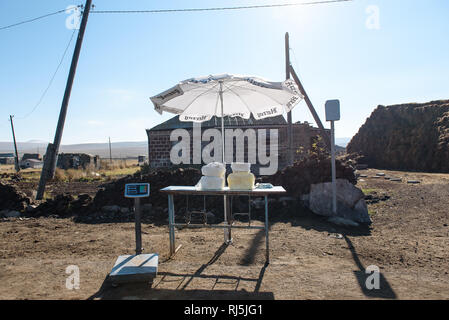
(405, 137)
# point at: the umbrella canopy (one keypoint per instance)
(199, 99)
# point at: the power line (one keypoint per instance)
(31, 20)
(278, 5)
(52, 78)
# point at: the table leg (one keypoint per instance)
(171, 221)
(227, 219)
(266, 231)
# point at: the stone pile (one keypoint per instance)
(298, 178)
(12, 199)
(412, 137)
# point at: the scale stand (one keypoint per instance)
(332, 108)
(139, 267)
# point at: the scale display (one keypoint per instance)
(332, 108)
(137, 190)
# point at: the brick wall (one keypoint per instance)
(159, 144)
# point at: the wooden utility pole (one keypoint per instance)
(289, 114)
(110, 151)
(16, 158)
(310, 106)
(48, 170)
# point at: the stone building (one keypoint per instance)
(78, 161)
(6, 158)
(31, 163)
(35, 156)
(142, 159)
(304, 135)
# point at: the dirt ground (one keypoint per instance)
(310, 258)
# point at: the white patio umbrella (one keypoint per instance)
(199, 99)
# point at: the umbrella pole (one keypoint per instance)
(222, 123)
(226, 206)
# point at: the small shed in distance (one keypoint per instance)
(6, 158)
(31, 163)
(78, 161)
(142, 159)
(35, 156)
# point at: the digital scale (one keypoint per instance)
(139, 267)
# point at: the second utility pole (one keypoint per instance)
(48, 170)
(110, 151)
(16, 158)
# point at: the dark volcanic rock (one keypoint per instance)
(11, 198)
(113, 193)
(405, 137)
(59, 206)
(298, 178)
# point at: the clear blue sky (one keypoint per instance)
(127, 58)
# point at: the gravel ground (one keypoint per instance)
(310, 258)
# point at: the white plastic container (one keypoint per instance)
(241, 181)
(210, 183)
(213, 169)
(240, 167)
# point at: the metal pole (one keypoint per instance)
(222, 122)
(137, 214)
(16, 158)
(289, 114)
(50, 159)
(228, 220)
(110, 151)
(227, 232)
(267, 246)
(171, 221)
(334, 186)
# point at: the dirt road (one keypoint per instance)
(310, 258)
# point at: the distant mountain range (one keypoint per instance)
(342, 142)
(119, 149)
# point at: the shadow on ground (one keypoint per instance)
(311, 221)
(384, 290)
(182, 291)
